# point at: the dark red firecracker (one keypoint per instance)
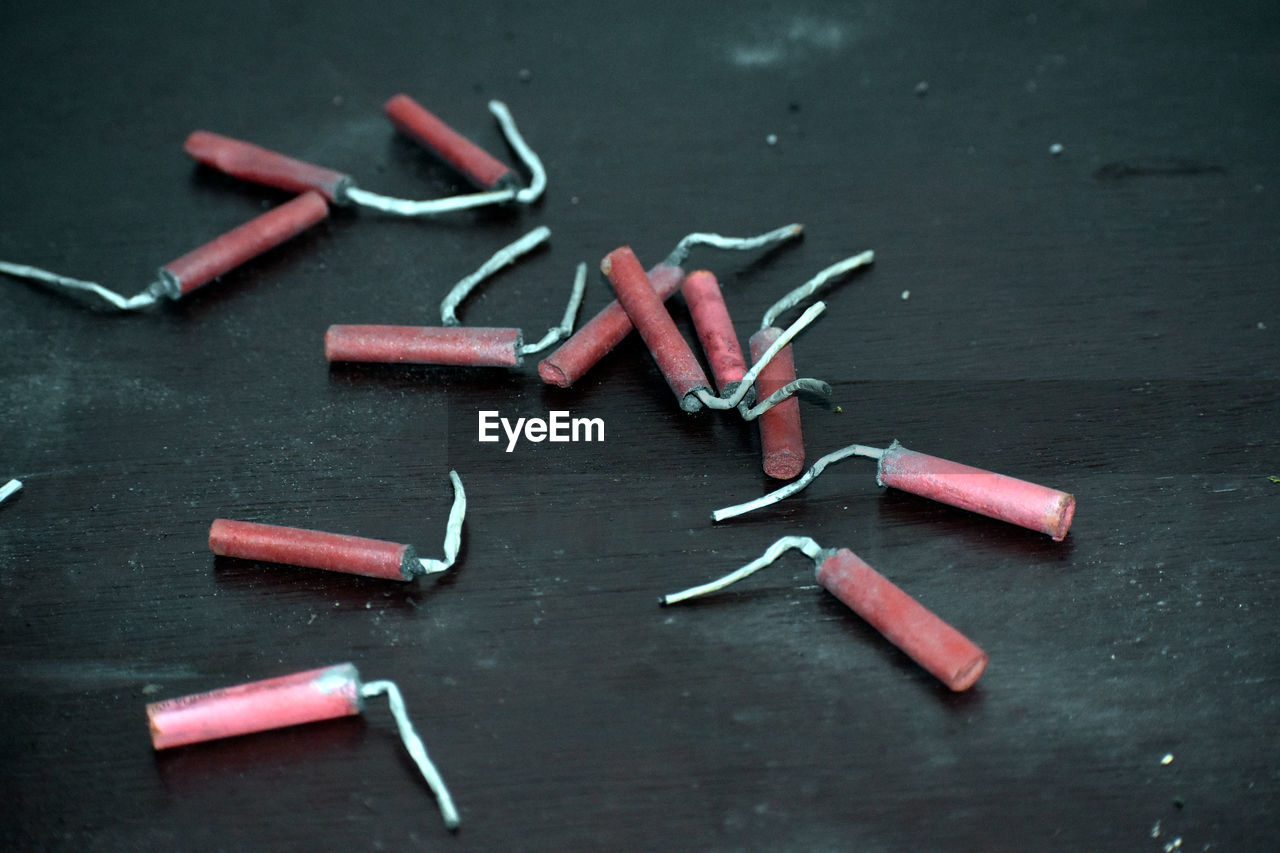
(479, 167)
(650, 316)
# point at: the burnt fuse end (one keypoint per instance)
(471, 161)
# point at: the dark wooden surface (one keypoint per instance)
(1104, 321)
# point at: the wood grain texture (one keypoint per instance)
(1106, 330)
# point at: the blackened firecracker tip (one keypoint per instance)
(469, 159)
(671, 352)
(260, 165)
(459, 346)
(228, 251)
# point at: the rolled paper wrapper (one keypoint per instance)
(304, 697)
(1006, 498)
(643, 305)
(477, 165)
(454, 345)
(596, 338)
(942, 650)
(313, 549)
(781, 439)
(225, 253)
(250, 162)
(715, 329)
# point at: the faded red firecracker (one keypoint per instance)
(201, 266)
(602, 333)
(447, 345)
(649, 315)
(711, 319)
(781, 436)
(263, 166)
(950, 656)
(994, 495)
(313, 549)
(924, 636)
(273, 703)
(289, 700)
(473, 162)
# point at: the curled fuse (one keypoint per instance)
(672, 353)
(260, 165)
(772, 360)
(336, 552)
(289, 700)
(928, 640)
(599, 335)
(202, 265)
(451, 344)
(998, 496)
(781, 436)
